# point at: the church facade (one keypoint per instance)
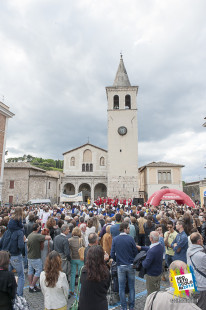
(85, 170)
(113, 172)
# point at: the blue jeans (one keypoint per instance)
(168, 259)
(35, 267)
(126, 273)
(16, 262)
(74, 264)
(25, 256)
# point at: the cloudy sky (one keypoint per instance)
(57, 56)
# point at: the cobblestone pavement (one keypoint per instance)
(36, 300)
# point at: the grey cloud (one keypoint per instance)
(58, 58)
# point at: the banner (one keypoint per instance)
(71, 198)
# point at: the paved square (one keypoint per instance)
(36, 300)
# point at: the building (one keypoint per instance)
(23, 182)
(122, 136)
(85, 170)
(196, 191)
(98, 172)
(159, 175)
(192, 189)
(203, 192)
(5, 114)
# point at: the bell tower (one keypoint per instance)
(122, 136)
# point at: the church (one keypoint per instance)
(95, 171)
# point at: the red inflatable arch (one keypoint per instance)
(170, 194)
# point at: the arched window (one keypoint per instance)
(102, 161)
(72, 161)
(87, 156)
(91, 167)
(116, 102)
(87, 167)
(83, 167)
(127, 102)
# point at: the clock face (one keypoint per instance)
(122, 130)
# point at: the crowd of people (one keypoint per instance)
(47, 242)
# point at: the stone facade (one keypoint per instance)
(192, 189)
(23, 182)
(4, 115)
(85, 169)
(203, 192)
(122, 137)
(158, 175)
(196, 191)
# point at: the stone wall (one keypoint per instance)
(43, 187)
(192, 190)
(20, 190)
(123, 187)
(29, 184)
(78, 154)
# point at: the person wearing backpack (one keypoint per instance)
(13, 242)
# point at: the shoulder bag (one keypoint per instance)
(200, 272)
(81, 250)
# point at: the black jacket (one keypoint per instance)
(137, 264)
(7, 289)
(93, 294)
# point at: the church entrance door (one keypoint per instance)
(100, 190)
(86, 191)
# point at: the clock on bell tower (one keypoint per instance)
(122, 136)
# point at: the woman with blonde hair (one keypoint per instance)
(75, 242)
(16, 219)
(96, 224)
(54, 284)
(107, 241)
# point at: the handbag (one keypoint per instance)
(75, 305)
(20, 303)
(81, 251)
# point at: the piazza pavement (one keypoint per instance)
(36, 300)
